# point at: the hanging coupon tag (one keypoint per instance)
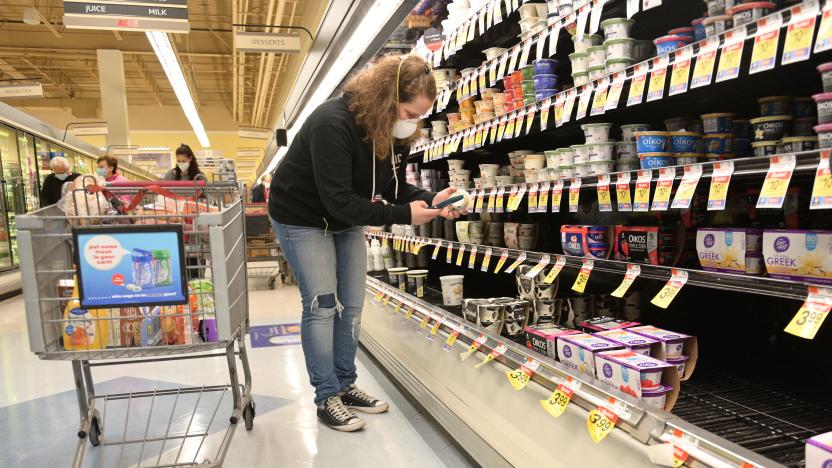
(799, 34)
(822, 188)
(678, 279)
(584, 101)
(510, 126)
(687, 187)
(475, 345)
(599, 101)
(493, 132)
(472, 30)
(777, 180)
(519, 197)
(486, 260)
(472, 259)
(524, 54)
(498, 203)
(560, 102)
(603, 188)
(720, 179)
(658, 77)
(595, 16)
(632, 273)
(764, 54)
(532, 205)
(557, 195)
(537, 269)
(583, 17)
(569, 104)
(489, 15)
(512, 60)
(560, 262)
(554, 35)
(435, 328)
(703, 70)
(449, 253)
(522, 375)
(637, 83)
(480, 201)
(540, 44)
(543, 197)
(583, 276)
(574, 194)
(664, 185)
(511, 196)
(483, 15)
(544, 113)
(681, 71)
(812, 313)
(501, 261)
(557, 403)
(731, 58)
(824, 39)
(460, 255)
(520, 259)
(423, 325)
(436, 250)
(600, 423)
(408, 313)
(518, 128)
(622, 192)
(614, 93)
(449, 343)
(494, 354)
(501, 129)
(498, 14)
(398, 308)
(377, 298)
(530, 118)
(642, 196)
(501, 72)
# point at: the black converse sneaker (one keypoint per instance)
(334, 414)
(356, 399)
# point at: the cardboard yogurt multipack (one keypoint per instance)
(656, 382)
(543, 338)
(729, 250)
(634, 342)
(679, 349)
(798, 255)
(578, 351)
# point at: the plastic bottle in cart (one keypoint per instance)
(369, 257)
(142, 268)
(387, 253)
(375, 251)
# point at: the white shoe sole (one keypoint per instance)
(349, 427)
(369, 410)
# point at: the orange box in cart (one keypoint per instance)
(653, 381)
(679, 349)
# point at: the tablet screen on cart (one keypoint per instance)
(135, 266)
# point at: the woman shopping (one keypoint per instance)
(186, 166)
(348, 156)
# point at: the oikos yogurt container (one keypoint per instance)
(667, 44)
(416, 282)
(824, 107)
(797, 144)
(771, 128)
(764, 148)
(651, 142)
(716, 25)
(775, 105)
(656, 160)
(398, 277)
(718, 143)
(825, 70)
(824, 135)
(745, 13)
(684, 142)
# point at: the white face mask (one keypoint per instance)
(183, 166)
(405, 128)
(62, 176)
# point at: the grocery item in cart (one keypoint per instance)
(78, 202)
(578, 351)
(83, 329)
(634, 342)
(798, 255)
(674, 345)
(543, 338)
(634, 373)
(151, 326)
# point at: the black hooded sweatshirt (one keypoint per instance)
(325, 180)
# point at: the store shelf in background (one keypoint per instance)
(759, 285)
(645, 425)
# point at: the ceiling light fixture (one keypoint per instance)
(164, 52)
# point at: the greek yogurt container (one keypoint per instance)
(716, 25)
(717, 123)
(656, 398)
(626, 150)
(673, 342)
(632, 341)
(771, 128)
(604, 151)
(667, 44)
(578, 351)
(580, 154)
(597, 72)
(797, 144)
(583, 170)
(628, 132)
(580, 79)
(745, 13)
(597, 132)
(620, 48)
(651, 142)
(775, 105)
(764, 148)
(718, 143)
(798, 255)
(617, 65)
(565, 156)
(580, 62)
(566, 171)
(602, 167)
(684, 142)
(616, 28)
(656, 160)
(825, 70)
(824, 107)
(596, 55)
(804, 126)
(698, 29)
(718, 7)
(583, 44)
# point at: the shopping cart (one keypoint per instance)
(264, 256)
(208, 221)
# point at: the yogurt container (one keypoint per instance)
(552, 159)
(797, 144)
(798, 255)
(698, 29)
(718, 7)
(602, 166)
(452, 289)
(580, 79)
(632, 341)
(596, 55)
(656, 398)
(597, 72)
(416, 282)
(804, 126)
(545, 66)
(566, 171)
(631, 372)
(625, 150)
(600, 151)
(684, 142)
(775, 105)
(597, 132)
(753, 263)
(397, 277)
(545, 81)
(771, 128)
(716, 25)
(803, 107)
(617, 65)
(580, 62)
(628, 132)
(673, 342)
(620, 48)
(824, 107)
(667, 44)
(566, 156)
(651, 142)
(683, 159)
(764, 148)
(718, 143)
(741, 147)
(717, 123)
(616, 28)
(583, 170)
(542, 94)
(825, 70)
(543, 338)
(580, 154)
(745, 13)
(656, 160)
(742, 129)
(583, 44)
(493, 52)
(625, 165)
(578, 351)
(686, 31)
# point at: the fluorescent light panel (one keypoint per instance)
(164, 51)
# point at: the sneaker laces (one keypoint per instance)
(337, 409)
(361, 394)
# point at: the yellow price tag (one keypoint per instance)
(599, 101)
(378, 296)
(475, 345)
(509, 128)
(822, 188)
(637, 85)
(703, 70)
(642, 196)
(681, 72)
(424, 323)
(574, 195)
(600, 423)
(777, 180)
(436, 251)
(472, 259)
(486, 259)
(678, 279)
(532, 205)
(544, 261)
(460, 255)
(386, 300)
(555, 271)
(495, 353)
(603, 189)
(408, 313)
(449, 343)
(398, 308)
(544, 114)
(622, 192)
(664, 185)
(687, 187)
(501, 261)
(812, 313)
(763, 56)
(435, 328)
(529, 120)
(720, 179)
(543, 198)
(557, 196)
(731, 58)
(520, 259)
(583, 276)
(658, 77)
(632, 273)
(517, 378)
(798, 44)
(449, 253)
(556, 404)
(824, 39)
(559, 104)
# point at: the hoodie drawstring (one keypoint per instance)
(373, 158)
(395, 169)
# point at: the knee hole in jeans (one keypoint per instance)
(326, 302)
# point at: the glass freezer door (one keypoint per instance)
(28, 160)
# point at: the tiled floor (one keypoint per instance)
(39, 416)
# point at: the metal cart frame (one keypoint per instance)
(260, 236)
(214, 241)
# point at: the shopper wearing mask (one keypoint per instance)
(349, 151)
(108, 169)
(51, 189)
(186, 165)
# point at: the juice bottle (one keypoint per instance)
(82, 328)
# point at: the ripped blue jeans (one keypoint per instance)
(331, 269)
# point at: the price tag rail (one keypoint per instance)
(645, 424)
(758, 285)
(751, 32)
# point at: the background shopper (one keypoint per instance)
(260, 192)
(108, 169)
(348, 154)
(51, 190)
(186, 166)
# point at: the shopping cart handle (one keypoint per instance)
(157, 183)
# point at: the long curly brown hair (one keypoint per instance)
(372, 96)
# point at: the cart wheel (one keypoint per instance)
(272, 281)
(95, 432)
(282, 278)
(248, 415)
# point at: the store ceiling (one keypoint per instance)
(247, 88)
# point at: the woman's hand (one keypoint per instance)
(449, 212)
(420, 213)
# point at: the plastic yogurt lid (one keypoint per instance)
(683, 29)
(652, 133)
(397, 269)
(679, 358)
(718, 155)
(655, 155)
(690, 155)
(823, 128)
(715, 19)
(578, 54)
(616, 20)
(574, 147)
(596, 125)
(774, 98)
(662, 390)
(825, 67)
(671, 38)
(697, 21)
(417, 272)
(685, 133)
(635, 125)
(602, 161)
(603, 143)
(618, 40)
(596, 47)
(588, 36)
(597, 67)
(620, 60)
(799, 139)
(772, 118)
(575, 75)
(758, 144)
(750, 6)
(564, 150)
(822, 96)
(709, 136)
(717, 115)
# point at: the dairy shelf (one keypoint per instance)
(759, 285)
(647, 425)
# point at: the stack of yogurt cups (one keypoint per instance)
(459, 178)
(597, 156)
(626, 148)
(518, 165)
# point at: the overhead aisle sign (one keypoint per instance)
(128, 15)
